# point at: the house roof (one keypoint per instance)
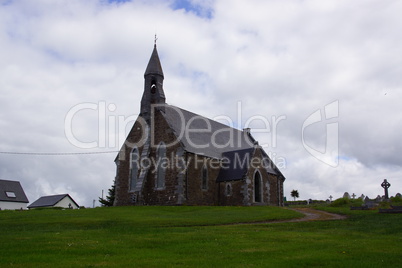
(204, 136)
(49, 201)
(11, 191)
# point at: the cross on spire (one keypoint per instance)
(156, 38)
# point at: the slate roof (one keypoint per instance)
(211, 138)
(236, 165)
(49, 201)
(16, 188)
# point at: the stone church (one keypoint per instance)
(172, 156)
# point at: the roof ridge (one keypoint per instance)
(53, 195)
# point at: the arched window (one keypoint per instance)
(153, 86)
(268, 192)
(204, 178)
(161, 169)
(134, 167)
(228, 189)
(257, 187)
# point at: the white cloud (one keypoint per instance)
(281, 58)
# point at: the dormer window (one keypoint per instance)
(11, 194)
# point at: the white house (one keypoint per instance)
(12, 196)
(60, 200)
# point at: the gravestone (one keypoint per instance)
(369, 203)
(385, 184)
(346, 195)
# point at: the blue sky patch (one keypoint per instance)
(191, 6)
(118, 1)
(199, 8)
(6, 2)
(344, 157)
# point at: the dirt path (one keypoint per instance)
(315, 215)
(310, 215)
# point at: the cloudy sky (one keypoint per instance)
(319, 82)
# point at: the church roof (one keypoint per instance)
(236, 165)
(204, 136)
(154, 64)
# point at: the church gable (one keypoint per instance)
(263, 184)
(148, 162)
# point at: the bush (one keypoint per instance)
(384, 204)
(296, 203)
(396, 201)
(346, 202)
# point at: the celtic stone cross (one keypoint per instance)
(385, 185)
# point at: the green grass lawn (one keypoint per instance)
(196, 236)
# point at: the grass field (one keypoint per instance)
(196, 236)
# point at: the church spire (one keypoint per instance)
(154, 64)
(153, 85)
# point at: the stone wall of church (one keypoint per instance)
(168, 195)
(274, 200)
(195, 192)
(231, 193)
(135, 138)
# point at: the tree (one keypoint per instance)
(108, 202)
(294, 194)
